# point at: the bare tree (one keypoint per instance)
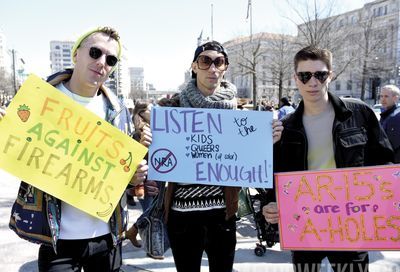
(136, 94)
(371, 41)
(6, 83)
(249, 59)
(280, 61)
(320, 27)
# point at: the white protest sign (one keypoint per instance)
(212, 147)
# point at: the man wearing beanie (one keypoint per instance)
(202, 217)
(71, 239)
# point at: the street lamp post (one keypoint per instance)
(14, 73)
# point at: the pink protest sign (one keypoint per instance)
(342, 209)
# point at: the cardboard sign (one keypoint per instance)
(58, 146)
(342, 209)
(212, 147)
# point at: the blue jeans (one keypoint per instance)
(145, 202)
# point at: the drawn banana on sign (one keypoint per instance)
(107, 211)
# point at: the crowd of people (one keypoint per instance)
(5, 99)
(71, 239)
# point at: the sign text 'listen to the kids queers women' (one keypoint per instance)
(342, 209)
(58, 146)
(210, 146)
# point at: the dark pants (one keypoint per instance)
(346, 261)
(192, 233)
(97, 254)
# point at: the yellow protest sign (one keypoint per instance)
(58, 146)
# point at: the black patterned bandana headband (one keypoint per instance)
(214, 46)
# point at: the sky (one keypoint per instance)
(158, 35)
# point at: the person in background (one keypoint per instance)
(285, 108)
(145, 194)
(71, 239)
(326, 132)
(390, 117)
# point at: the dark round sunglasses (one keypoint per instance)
(96, 53)
(205, 62)
(306, 76)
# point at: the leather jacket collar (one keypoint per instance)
(342, 112)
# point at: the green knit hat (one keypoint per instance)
(87, 34)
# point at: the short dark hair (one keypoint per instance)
(313, 53)
(214, 46)
(285, 101)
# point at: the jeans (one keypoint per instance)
(146, 201)
(192, 233)
(310, 261)
(93, 255)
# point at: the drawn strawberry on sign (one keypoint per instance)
(23, 112)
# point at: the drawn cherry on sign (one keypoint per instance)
(125, 162)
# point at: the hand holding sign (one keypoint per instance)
(212, 147)
(348, 208)
(58, 146)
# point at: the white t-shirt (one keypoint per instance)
(76, 224)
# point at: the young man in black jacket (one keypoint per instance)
(326, 132)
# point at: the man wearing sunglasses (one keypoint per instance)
(71, 239)
(200, 217)
(326, 132)
(210, 224)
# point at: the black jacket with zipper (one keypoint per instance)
(358, 138)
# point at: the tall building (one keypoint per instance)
(137, 78)
(119, 81)
(60, 55)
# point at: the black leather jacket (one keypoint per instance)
(358, 138)
(390, 121)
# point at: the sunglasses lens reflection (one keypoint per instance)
(219, 62)
(205, 63)
(96, 53)
(321, 76)
(306, 76)
(111, 60)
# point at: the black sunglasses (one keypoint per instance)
(205, 63)
(96, 53)
(306, 76)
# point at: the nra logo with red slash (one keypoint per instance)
(163, 160)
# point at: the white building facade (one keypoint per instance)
(60, 55)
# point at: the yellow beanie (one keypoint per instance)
(87, 34)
